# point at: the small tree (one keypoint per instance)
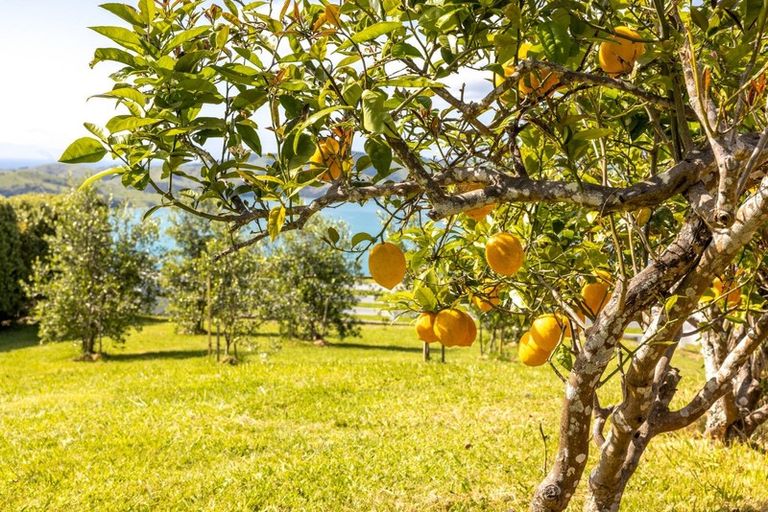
(236, 304)
(99, 278)
(36, 215)
(311, 285)
(11, 263)
(183, 284)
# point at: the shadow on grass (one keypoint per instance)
(389, 348)
(17, 337)
(156, 354)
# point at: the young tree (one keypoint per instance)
(11, 263)
(309, 285)
(237, 300)
(183, 284)
(99, 278)
(588, 120)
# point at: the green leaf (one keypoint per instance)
(592, 133)
(147, 8)
(412, 81)
(152, 210)
(426, 298)
(99, 175)
(372, 32)
(83, 150)
(564, 357)
(376, 119)
(112, 54)
(276, 221)
(699, 18)
(301, 155)
(183, 37)
(362, 237)
(400, 50)
(333, 235)
(125, 92)
(250, 98)
(670, 303)
(98, 132)
(380, 154)
(121, 36)
(555, 40)
(124, 12)
(376, 30)
(250, 136)
(129, 123)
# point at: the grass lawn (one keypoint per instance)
(360, 425)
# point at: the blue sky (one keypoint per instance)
(45, 75)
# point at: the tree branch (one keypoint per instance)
(718, 385)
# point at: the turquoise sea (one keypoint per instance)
(356, 217)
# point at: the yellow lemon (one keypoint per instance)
(619, 55)
(386, 264)
(504, 254)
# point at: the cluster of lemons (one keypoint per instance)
(546, 332)
(616, 56)
(451, 326)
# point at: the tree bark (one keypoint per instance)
(556, 490)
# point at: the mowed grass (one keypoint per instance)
(363, 425)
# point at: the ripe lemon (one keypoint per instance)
(489, 298)
(532, 82)
(470, 331)
(386, 264)
(327, 156)
(425, 327)
(451, 327)
(504, 254)
(546, 331)
(476, 213)
(595, 296)
(529, 353)
(619, 55)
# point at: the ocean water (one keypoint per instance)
(356, 217)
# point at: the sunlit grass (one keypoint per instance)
(362, 424)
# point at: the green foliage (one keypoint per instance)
(37, 215)
(100, 275)
(183, 285)
(195, 279)
(308, 287)
(236, 300)
(11, 262)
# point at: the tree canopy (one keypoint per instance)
(627, 138)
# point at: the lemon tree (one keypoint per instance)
(621, 145)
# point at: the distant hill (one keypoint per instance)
(55, 178)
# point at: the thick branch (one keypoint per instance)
(507, 189)
(718, 385)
